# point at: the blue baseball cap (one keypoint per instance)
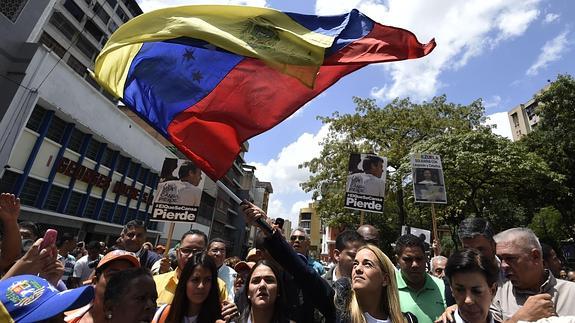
(30, 298)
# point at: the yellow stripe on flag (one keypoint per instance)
(262, 33)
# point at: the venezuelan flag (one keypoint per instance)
(210, 77)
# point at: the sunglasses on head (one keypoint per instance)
(299, 238)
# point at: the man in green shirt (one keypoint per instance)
(419, 293)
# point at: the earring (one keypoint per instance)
(109, 315)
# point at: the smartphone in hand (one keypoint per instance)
(49, 238)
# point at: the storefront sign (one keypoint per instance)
(82, 173)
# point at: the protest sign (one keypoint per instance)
(428, 182)
(365, 188)
(179, 192)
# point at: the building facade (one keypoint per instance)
(310, 221)
(523, 118)
(74, 159)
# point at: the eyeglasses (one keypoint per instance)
(298, 238)
(188, 251)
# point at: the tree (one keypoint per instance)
(554, 139)
(488, 176)
(548, 226)
(390, 131)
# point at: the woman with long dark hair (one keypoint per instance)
(370, 296)
(264, 295)
(197, 295)
(473, 280)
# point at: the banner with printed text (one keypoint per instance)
(179, 192)
(365, 188)
(427, 176)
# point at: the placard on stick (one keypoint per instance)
(428, 181)
(179, 192)
(365, 188)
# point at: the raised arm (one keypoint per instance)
(11, 240)
(306, 278)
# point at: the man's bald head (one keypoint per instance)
(369, 233)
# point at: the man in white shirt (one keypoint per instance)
(185, 190)
(82, 268)
(217, 250)
(369, 182)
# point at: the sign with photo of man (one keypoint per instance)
(179, 192)
(427, 175)
(365, 188)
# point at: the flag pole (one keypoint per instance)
(361, 214)
(260, 222)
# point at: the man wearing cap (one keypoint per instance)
(192, 242)
(29, 298)
(217, 250)
(111, 263)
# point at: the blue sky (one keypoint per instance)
(502, 51)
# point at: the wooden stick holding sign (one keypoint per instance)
(434, 221)
(170, 234)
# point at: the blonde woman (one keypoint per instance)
(370, 296)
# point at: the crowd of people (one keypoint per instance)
(505, 277)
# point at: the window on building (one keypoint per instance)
(93, 148)
(118, 214)
(304, 224)
(94, 30)
(133, 170)
(31, 191)
(74, 204)
(133, 7)
(54, 197)
(11, 9)
(52, 44)
(92, 82)
(36, 118)
(152, 179)
(101, 13)
(63, 25)
(104, 40)
(8, 180)
(305, 216)
(74, 10)
(86, 47)
(112, 3)
(515, 119)
(91, 207)
(131, 214)
(106, 209)
(112, 26)
(143, 172)
(107, 157)
(76, 140)
(123, 165)
(56, 130)
(122, 14)
(77, 66)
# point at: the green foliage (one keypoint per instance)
(486, 175)
(554, 139)
(489, 176)
(548, 226)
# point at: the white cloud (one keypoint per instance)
(493, 102)
(283, 171)
(550, 52)
(285, 176)
(462, 29)
(501, 121)
(550, 17)
(148, 5)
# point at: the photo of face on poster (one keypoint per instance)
(179, 191)
(427, 175)
(366, 175)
